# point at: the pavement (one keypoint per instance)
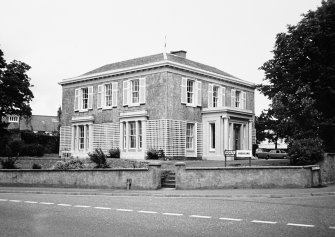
(170, 192)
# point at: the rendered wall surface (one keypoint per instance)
(328, 168)
(245, 177)
(142, 178)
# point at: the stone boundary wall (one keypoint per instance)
(328, 168)
(141, 178)
(247, 177)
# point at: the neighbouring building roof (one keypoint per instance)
(174, 58)
(36, 123)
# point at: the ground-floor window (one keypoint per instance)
(212, 135)
(189, 136)
(81, 137)
(132, 135)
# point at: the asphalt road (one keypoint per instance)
(65, 215)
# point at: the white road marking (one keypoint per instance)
(197, 216)
(64, 205)
(301, 225)
(83, 206)
(230, 219)
(3, 200)
(15, 200)
(124, 210)
(148, 212)
(332, 227)
(264, 222)
(172, 214)
(103, 208)
(30, 202)
(47, 203)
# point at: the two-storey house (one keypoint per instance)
(163, 101)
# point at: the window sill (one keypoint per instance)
(212, 151)
(134, 105)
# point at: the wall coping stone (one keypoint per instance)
(252, 167)
(74, 170)
(158, 164)
(180, 164)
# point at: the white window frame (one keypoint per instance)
(108, 96)
(190, 93)
(129, 92)
(192, 98)
(212, 134)
(13, 119)
(140, 134)
(215, 97)
(79, 99)
(238, 95)
(190, 138)
(238, 99)
(81, 137)
(132, 134)
(82, 98)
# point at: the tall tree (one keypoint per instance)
(301, 77)
(15, 94)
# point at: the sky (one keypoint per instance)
(66, 38)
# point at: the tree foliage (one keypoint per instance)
(15, 94)
(268, 127)
(301, 77)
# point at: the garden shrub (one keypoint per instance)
(9, 163)
(306, 151)
(153, 154)
(114, 153)
(16, 147)
(99, 158)
(72, 164)
(36, 166)
(32, 150)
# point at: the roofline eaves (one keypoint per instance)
(151, 65)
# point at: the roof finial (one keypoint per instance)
(164, 52)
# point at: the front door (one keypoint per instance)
(237, 137)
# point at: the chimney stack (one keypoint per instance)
(179, 53)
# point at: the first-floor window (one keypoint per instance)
(108, 95)
(238, 99)
(189, 135)
(84, 92)
(13, 119)
(212, 135)
(190, 91)
(132, 134)
(215, 96)
(135, 91)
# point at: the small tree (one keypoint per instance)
(15, 94)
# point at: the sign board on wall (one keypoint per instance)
(243, 153)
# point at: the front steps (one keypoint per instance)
(168, 179)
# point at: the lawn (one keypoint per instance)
(233, 163)
(48, 160)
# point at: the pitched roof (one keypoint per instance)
(41, 123)
(158, 58)
(128, 63)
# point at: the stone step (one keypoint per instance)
(168, 185)
(169, 181)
